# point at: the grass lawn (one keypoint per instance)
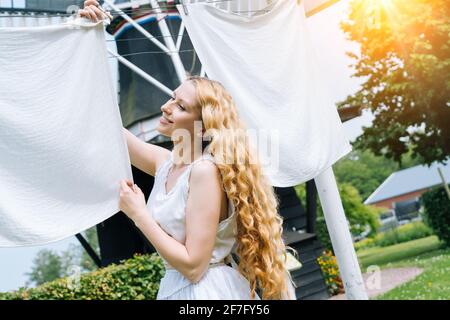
(426, 253)
(383, 255)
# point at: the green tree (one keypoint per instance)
(49, 265)
(437, 212)
(366, 171)
(359, 215)
(405, 62)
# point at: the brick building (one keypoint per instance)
(408, 184)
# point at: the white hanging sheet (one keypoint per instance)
(62, 149)
(267, 63)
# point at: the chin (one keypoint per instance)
(162, 131)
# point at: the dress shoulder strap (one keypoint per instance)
(205, 156)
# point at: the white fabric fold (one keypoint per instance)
(268, 64)
(62, 149)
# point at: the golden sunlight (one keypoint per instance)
(386, 3)
(382, 13)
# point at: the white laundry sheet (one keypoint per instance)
(62, 149)
(267, 63)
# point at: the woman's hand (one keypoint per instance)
(132, 200)
(91, 11)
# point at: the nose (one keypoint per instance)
(165, 108)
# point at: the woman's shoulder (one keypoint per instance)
(204, 168)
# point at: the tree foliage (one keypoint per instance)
(49, 265)
(405, 61)
(365, 171)
(437, 212)
(359, 216)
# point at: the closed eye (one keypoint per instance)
(172, 98)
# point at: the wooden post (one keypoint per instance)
(340, 236)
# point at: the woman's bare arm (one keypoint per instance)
(145, 156)
(202, 218)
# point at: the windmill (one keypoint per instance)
(154, 56)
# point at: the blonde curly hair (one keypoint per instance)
(259, 243)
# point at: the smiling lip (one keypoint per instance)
(164, 120)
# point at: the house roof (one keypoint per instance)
(409, 180)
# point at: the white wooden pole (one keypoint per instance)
(141, 72)
(180, 35)
(168, 40)
(340, 235)
(138, 27)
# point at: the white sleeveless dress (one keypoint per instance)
(220, 281)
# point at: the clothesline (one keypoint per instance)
(161, 9)
(173, 5)
(145, 38)
(44, 15)
(49, 15)
(150, 52)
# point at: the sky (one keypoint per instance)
(330, 44)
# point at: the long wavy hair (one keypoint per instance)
(259, 243)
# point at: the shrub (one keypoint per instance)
(322, 233)
(407, 232)
(365, 243)
(404, 233)
(437, 213)
(135, 279)
(359, 216)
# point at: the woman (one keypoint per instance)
(201, 205)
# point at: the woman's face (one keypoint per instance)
(180, 111)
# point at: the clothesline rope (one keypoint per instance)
(174, 5)
(145, 38)
(154, 52)
(43, 15)
(161, 9)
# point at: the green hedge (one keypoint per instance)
(407, 232)
(437, 213)
(135, 279)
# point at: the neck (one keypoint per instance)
(184, 155)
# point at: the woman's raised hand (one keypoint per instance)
(92, 11)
